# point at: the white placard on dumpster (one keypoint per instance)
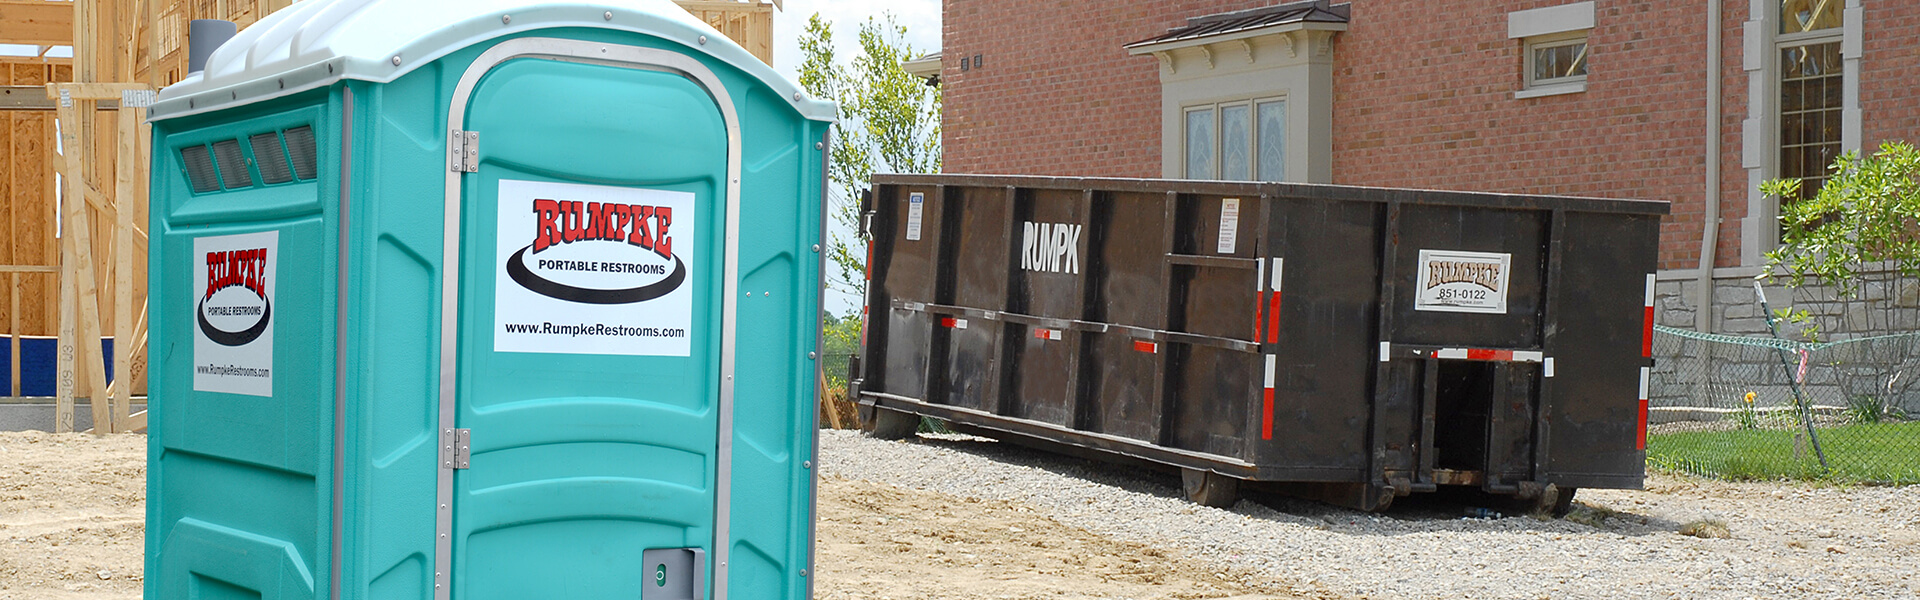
(233, 288)
(589, 269)
(916, 203)
(1460, 281)
(1229, 225)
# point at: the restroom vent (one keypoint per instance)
(232, 163)
(300, 148)
(200, 173)
(271, 158)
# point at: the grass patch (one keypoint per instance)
(1707, 529)
(1863, 453)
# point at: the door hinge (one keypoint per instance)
(456, 448)
(463, 151)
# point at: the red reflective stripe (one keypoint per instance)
(1266, 414)
(1259, 306)
(1146, 346)
(866, 270)
(1481, 354)
(946, 322)
(1273, 318)
(1641, 442)
(1646, 335)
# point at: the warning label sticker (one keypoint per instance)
(233, 289)
(1460, 281)
(587, 269)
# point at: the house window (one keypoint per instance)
(1811, 90)
(1553, 48)
(1557, 60)
(1810, 95)
(1249, 145)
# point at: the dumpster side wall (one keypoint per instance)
(1271, 332)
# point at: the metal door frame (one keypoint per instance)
(633, 57)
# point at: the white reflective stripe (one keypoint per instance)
(1053, 334)
(1645, 374)
(1269, 384)
(1528, 356)
(959, 323)
(1649, 290)
(1260, 276)
(1548, 368)
(1453, 353)
(1386, 349)
(1275, 284)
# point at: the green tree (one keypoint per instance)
(1865, 219)
(889, 122)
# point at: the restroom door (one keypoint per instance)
(587, 374)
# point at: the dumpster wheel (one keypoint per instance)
(889, 424)
(1207, 488)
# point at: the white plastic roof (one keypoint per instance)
(317, 42)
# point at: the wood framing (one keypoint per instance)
(748, 23)
(36, 22)
(82, 273)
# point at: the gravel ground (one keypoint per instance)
(1782, 540)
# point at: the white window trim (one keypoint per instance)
(1760, 131)
(1534, 88)
(1252, 104)
(1577, 16)
(1550, 26)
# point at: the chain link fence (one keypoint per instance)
(1762, 408)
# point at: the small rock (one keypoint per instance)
(1836, 550)
(1825, 533)
(105, 575)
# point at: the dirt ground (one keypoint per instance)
(72, 509)
(72, 515)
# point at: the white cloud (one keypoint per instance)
(921, 18)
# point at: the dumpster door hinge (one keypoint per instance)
(456, 448)
(463, 151)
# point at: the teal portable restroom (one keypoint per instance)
(483, 299)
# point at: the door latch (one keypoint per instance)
(463, 151)
(456, 448)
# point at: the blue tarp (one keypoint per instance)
(38, 362)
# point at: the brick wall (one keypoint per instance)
(1889, 74)
(1057, 94)
(1423, 97)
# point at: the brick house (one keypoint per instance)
(1618, 98)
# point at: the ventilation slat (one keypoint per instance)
(271, 158)
(300, 148)
(232, 163)
(199, 166)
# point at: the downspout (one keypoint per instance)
(1710, 230)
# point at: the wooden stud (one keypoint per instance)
(124, 196)
(85, 306)
(13, 334)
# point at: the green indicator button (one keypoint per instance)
(660, 575)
